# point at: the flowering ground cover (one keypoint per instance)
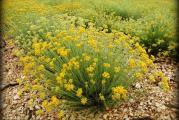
(89, 59)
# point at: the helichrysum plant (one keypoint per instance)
(83, 68)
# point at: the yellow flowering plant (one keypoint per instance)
(28, 21)
(25, 19)
(92, 74)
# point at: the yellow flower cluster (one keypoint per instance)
(37, 87)
(101, 97)
(118, 93)
(60, 77)
(54, 102)
(28, 63)
(143, 66)
(90, 69)
(84, 100)
(116, 69)
(132, 63)
(106, 75)
(63, 52)
(86, 57)
(92, 43)
(139, 75)
(165, 84)
(69, 87)
(151, 78)
(60, 114)
(38, 47)
(79, 92)
(106, 65)
(159, 75)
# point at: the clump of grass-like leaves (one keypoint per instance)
(85, 68)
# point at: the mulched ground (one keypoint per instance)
(149, 103)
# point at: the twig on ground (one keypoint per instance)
(8, 85)
(172, 106)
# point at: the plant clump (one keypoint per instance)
(83, 68)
